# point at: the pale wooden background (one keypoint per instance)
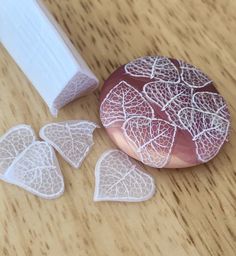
(194, 211)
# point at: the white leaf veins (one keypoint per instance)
(123, 102)
(120, 179)
(12, 143)
(193, 77)
(151, 138)
(171, 98)
(72, 139)
(211, 102)
(208, 130)
(36, 170)
(158, 68)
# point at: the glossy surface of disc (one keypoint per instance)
(164, 112)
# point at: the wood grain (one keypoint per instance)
(194, 211)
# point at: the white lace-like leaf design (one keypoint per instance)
(192, 76)
(36, 170)
(211, 102)
(209, 131)
(122, 102)
(72, 139)
(79, 86)
(158, 68)
(171, 98)
(120, 179)
(151, 139)
(12, 143)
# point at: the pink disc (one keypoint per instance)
(164, 112)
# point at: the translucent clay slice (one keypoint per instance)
(122, 102)
(211, 102)
(158, 68)
(152, 139)
(118, 178)
(72, 139)
(171, 98)
(192, 76)
(36, 170)
(209, 131)
(13, 143)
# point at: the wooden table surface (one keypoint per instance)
(194, 211)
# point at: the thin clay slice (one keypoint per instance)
(192, 76)
(158, 68)
(72, 139)
(122, 102)
(36, 170)
(118, 178)
(12, 143)
(209, 131)
(151, 139)
(171, 98)
(211, 102)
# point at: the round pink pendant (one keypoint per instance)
(164, 112)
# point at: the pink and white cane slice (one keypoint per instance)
(158, 68)
(209, 131)
(12, 143)
(152, 139)
(192, 76)
(72, 139)
(211, 102)
(118, 178)
(123, 102)
(36, 170)
(171, 98)
(80, 85)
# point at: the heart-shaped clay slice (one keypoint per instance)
(211, 102)
(36, 170)
(133, 104)
(154, 107)
(151, 138)
(72, 139)
(158, 67)
(171, 98)
(13, 143)
(118, 178)
(208, 130)
(193, 77)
